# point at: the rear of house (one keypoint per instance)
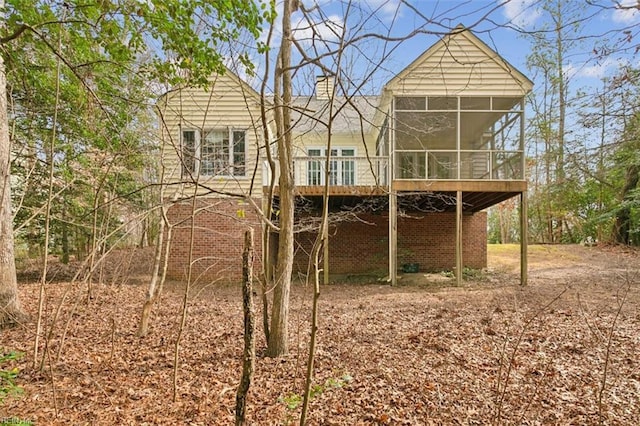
(410, 173)
(212, 175)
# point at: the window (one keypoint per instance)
(217, 152)
(239, 153)
(348, 167)
(188, 152)
(342, 170)
(214, 154)
(314, 168)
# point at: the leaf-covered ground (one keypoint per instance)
(564, 350)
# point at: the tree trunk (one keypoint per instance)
(562, 95)
(249, 356)
(10, 310)
(142, 243)
(80, 245)
(155, 284)
(65, 236)
(278, 333)
(622, 227)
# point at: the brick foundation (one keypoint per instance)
(430, 241)
(426, 239)
(356, 247)
(220, 225)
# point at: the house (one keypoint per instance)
(411, 170)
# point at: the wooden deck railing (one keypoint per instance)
(344, 171)
(480, 165)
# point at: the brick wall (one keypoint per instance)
(426, 239)
(354, 247)
(357, 247)
(220, 225)
(430, 241)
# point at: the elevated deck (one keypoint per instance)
(355, 178)
(476, 195)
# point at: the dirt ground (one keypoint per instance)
(563, 350)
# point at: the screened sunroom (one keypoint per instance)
(458, 138)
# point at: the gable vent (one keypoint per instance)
(324, 87)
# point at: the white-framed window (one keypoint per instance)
(214, 152)
(342, 171)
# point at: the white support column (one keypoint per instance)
(393, 238)
(524, 238)
(459, 237)
(393, 205)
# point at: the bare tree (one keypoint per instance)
(162, 250)
(249, 353)
(278, 331)
(11, 310)
(47, 224)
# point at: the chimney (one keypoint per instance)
(324, 86)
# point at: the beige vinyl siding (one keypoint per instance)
(459, 65)
(344, 140)
(363, 149)
(227, 104)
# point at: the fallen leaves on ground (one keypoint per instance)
(490, 352)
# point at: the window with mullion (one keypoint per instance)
(189, 155)
(214, 153)
(348, 167)
(333, 168)
(314, 170)
(239, 153)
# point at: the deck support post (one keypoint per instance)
(393, 238)
(459, 237)
(524, 238)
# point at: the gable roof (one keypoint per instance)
(460, 62)
(355, 114)
(235, 79)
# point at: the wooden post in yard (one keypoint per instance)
(524, 238)
(459, 237)
(249, 354)
(393, 238)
